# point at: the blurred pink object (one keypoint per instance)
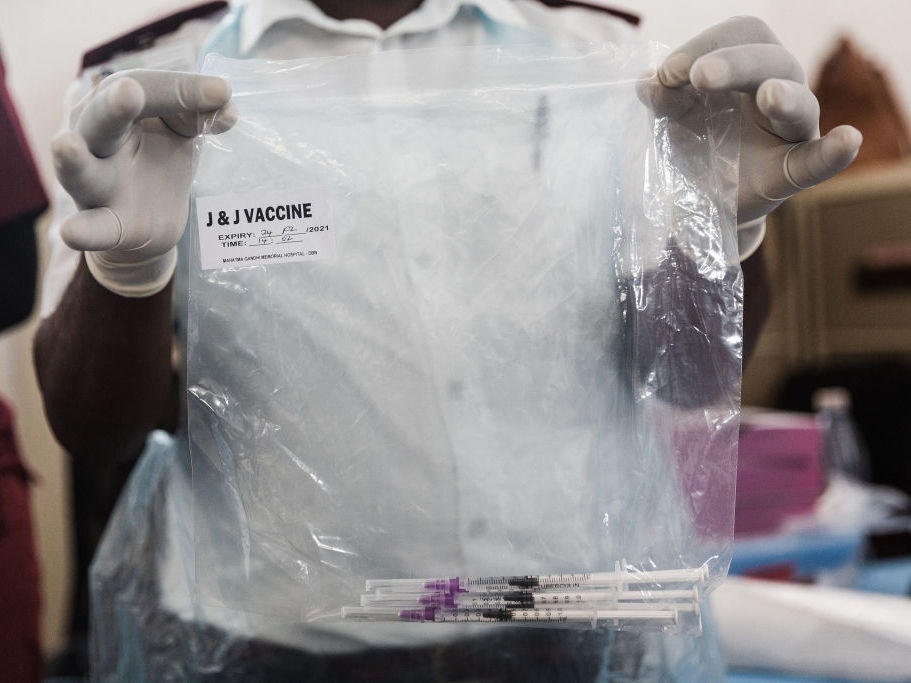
(780, 470)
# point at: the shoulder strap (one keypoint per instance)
(629, 17)
(146, 35)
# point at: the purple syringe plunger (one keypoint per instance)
(444, 585)
(437, 599)
(420, 614)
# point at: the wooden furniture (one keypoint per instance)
(839, 262)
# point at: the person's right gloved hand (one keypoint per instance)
(781, 151)
(127, 162)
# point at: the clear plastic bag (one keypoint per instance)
(460, 313)
(146, 625)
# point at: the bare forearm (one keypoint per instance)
(104, 365)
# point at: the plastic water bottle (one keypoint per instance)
(843, 449)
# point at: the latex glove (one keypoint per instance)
(126, 161)
(781, 152)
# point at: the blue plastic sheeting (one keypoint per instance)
(807, 552)
(892, 577)
(771, 677)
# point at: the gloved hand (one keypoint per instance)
(781, 152)
(126, 161)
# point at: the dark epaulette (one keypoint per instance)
(633, 19)
(145, 36)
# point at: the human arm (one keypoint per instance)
(103, 356)
(104, 366)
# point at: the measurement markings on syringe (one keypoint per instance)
(559, 581)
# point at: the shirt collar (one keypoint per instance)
(258, 17)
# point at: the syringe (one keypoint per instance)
(550, 614)
(530, 599)
(546, 582)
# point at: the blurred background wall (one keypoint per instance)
(42, 42)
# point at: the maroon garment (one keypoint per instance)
(628, 17)
(21, 193)
(19, 590)
(145, 36)
(21, 200)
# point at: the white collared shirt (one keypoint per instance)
(292, 29)
(287, 29)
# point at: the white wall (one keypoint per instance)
(43, 40)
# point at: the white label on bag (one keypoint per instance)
(282, 226)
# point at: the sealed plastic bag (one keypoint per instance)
(146, 626)
(470, 319)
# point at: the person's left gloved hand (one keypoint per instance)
(781, 151)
